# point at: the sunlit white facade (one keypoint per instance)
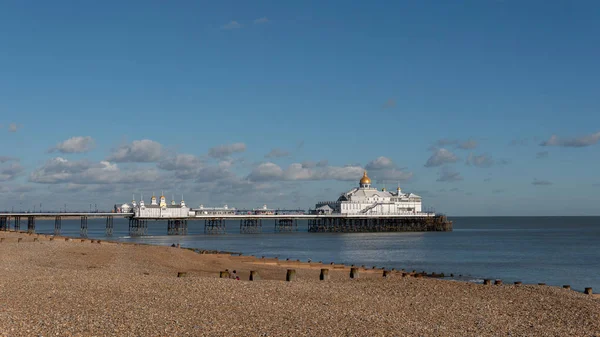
(161, 210)
(368, 200)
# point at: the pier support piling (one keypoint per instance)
(177, 227)
(30, 224)
(17, 223)
(286, 225)
(109, 226)
(379, 224)
(138, 227)
(57, 225)
(214, 226)
(4, 223)
(250, 226)
(84, 227)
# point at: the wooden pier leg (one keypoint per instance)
(57, 225)
(84, 227)
(30, 224)
(109, 226)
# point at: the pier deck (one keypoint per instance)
(249, 223)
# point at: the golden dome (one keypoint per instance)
(365, 179)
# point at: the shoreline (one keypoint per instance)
(312, 264)
(80, 287)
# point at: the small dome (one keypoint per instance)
(365, 179)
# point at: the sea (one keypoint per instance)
(552, 250)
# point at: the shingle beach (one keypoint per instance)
(74, 288)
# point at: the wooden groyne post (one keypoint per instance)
(290, 275)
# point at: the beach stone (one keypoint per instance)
(19, 239)
(254, 275)
(290, 275)
(181, 274)
(566, 286)
(588, 291)
(353, 273)
(541, 284)
(517, 283)
(498, 282)
(224, 274)
(324, 276)
(386, 273)
(487, 282)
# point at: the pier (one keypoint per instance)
(249, 223)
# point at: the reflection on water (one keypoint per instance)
(554, 250)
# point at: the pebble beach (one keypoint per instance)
(55, 286)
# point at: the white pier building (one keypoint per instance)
(225, 210)
(160, 210)
(367, 200)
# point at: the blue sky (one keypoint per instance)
(481, 107)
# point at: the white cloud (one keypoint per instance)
(226, 150)
(60, 170)
(483, 160)
(380, 163)
(467, 145)
(261, 20)
(383, 169)
(301, 172)
(77, 144)
(10, 171)
(277, 153)
(447, 174)
(266, 171)
(440, 157)
(139, 151)
(581, 141)
(231, 25)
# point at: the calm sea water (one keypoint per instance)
(554, 250)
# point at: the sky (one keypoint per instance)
(481, 107)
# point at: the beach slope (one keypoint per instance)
(74, 288)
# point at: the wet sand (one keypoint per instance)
(75, 288)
